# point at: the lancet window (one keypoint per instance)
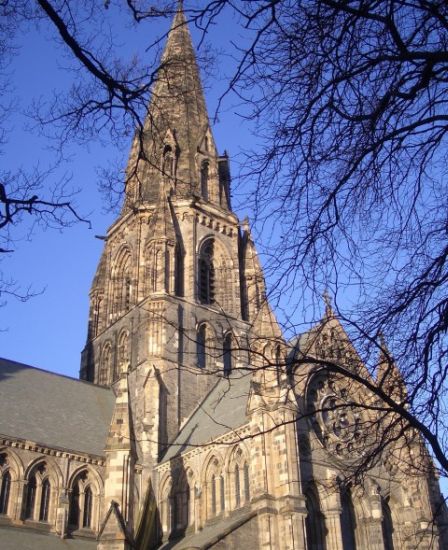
(207, 273)
(105, 365)
(205, 180)
(227, 353)
(387, 525)
(5, 491)
(348, 520)
(178, 271)
(123, 351)
(201, 346)
(122, 284)
(314, 521)
(168, 161)
(215, 495)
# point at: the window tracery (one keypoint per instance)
(336, 420)
(38, 494)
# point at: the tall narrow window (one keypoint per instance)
(222, 492)
(127, 293)
(74, 507)
(246, 482)
(314, 522)
(30, 498)
(204, 180)
(168, 161)
(87, 515)
(237, 487)
(105, 365)
(387, 525)
(201, 346)
(348, 520)
(278, 362)
(96, 317)
(213, 495)
(44, 501)
(227, 354)
(4, 493)
(207, 274)
(179, 271)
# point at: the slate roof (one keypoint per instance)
(13, 538)
(222, 410)
(53, 410)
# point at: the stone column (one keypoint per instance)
(333, 525)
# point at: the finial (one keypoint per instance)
(245, 225)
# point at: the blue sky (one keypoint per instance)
(49, 330)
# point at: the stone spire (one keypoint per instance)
(176, 128)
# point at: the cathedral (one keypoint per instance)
(194, 423)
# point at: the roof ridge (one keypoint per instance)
(25, 365)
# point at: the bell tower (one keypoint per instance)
(168, 304)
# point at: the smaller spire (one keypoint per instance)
(388, 375)
(328, 304)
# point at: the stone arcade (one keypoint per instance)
(187, 429)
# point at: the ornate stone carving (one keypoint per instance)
(336, 421)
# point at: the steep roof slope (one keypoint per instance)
(53, 410)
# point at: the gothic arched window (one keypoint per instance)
(122, 283)
(44, 500)
(4, 492)
(206, 274)
(82, 502)
(204, 179)
(227, 354)
(201, 343)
